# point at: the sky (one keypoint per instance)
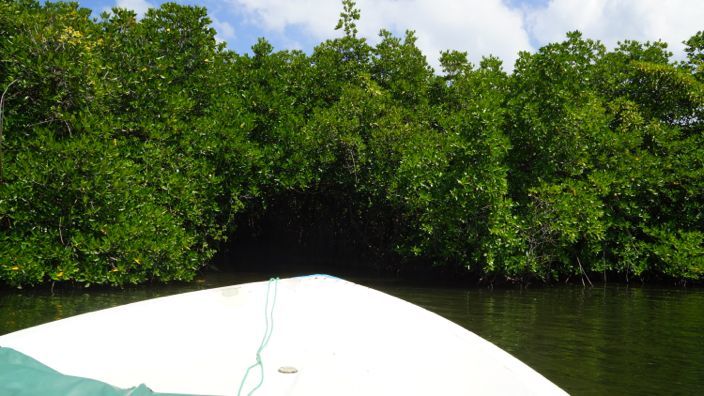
(480, 27)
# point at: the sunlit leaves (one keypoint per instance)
(132, 147)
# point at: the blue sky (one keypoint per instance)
(480, 27)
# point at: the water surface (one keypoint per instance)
(606, 340)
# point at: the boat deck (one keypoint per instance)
(340, 338)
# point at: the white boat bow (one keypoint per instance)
(328, 337)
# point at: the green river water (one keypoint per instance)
(608, 340)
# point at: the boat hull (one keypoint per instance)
(328, 337)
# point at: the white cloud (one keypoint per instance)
(317, 17)
(483, 27)
(138, 6)
(610, 21)
(480, 27)
(224, 29)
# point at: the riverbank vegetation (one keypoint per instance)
(131, 149)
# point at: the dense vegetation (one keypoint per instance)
(130, 148)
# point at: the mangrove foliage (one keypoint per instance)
(132, 148)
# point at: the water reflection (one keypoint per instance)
(612, 340)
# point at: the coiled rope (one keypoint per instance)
(268, 329)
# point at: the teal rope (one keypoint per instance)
(268, 329)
